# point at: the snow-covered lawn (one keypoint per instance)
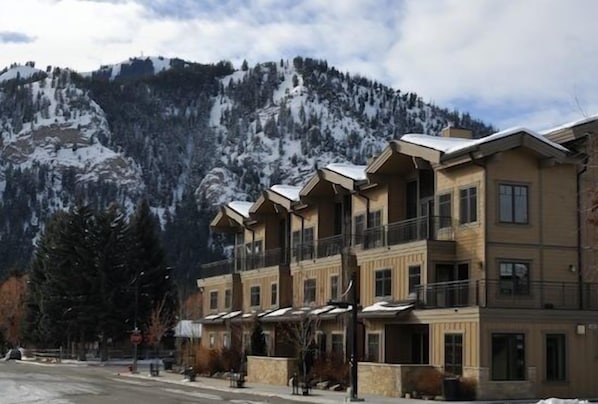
(562, 401)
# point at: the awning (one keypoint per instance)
(386, 309)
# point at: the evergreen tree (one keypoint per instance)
(258, 340)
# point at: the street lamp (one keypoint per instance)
(136, 336)
(354, 309)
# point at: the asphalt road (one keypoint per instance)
(63, 384)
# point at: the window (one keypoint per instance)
(213, 300)
(254, 293)
(373, 347)
(308, 243)
(212, 340)
(375, 226)
(468, 198)
(359, 228)
(274, 294)
(337, 346)
(268, 342)
(556, 357)
(445, 210)
(383, 279)
(508, 357)
(309, 290)
(514, 278)
(226, 340)
(453, 354)
(512, 203)
(321, 341)
(334, 287)
(295, 243)
(414, 277)
(227, 298)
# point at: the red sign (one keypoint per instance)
(136, 338)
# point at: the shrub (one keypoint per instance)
(467, 388)
(210, 361)
(332, 368)
(426, 381)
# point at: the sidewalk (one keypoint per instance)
(284, 392)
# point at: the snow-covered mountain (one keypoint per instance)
(185, 135)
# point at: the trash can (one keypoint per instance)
(167, 362)
(450, 388)
(190, 374)
(154, 369)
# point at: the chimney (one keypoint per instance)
(453, 131)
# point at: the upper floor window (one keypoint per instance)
(375, 226)
(227, 298)
(383, 283)
(337, 345)
(513, 203)
(514, 278)
(254, 294)
(309, 290)
(468, 208)
(334, 287)
(213, 300)
(274, 294)
(445, 210)
(359, 228)
(414, 277)
(295, 243)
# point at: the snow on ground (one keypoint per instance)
(562, 401)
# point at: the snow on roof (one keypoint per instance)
(24, 72)
(321, 310)
(288, 191)
(241, 207)
(570, 124)
(187, 329)
(279, 312)
(387, 306)
(213, 316)
(449, 145)
(348, 170)
(232, 314)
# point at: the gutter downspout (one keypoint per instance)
(579, 241)
(484, 182)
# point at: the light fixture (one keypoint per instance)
(572, 268)
(580, 329)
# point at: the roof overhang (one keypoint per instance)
(570, 132)
(332, 181)
(227, 221)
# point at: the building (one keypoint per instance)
(467, 261)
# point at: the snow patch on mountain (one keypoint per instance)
(19, 72)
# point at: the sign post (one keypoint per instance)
(136, 339)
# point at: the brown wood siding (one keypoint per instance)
(581, 352)
(321, 271)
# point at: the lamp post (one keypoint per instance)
(136, 335)
(354, 308)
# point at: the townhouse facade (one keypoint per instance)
(466, 258)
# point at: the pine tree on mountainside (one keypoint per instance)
(148, 270)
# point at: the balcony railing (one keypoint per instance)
(498, 294)
(405, 231)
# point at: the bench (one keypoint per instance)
(237, 380)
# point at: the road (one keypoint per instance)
(63, 384)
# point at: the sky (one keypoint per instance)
(531, 63)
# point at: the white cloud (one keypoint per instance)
(521, 62)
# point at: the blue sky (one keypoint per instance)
(527, 63)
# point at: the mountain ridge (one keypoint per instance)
(188, 137)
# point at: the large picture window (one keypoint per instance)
(453, 354)
(556, 357)
(508, 357)
(513, 203)
(468, 208)
(514, 278)
(383, 283)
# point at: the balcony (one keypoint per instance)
(405, 231)
(496, 294)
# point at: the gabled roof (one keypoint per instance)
(440, 150)
(231, 216)
(283, 195)
(571, 130)
(347, 176)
